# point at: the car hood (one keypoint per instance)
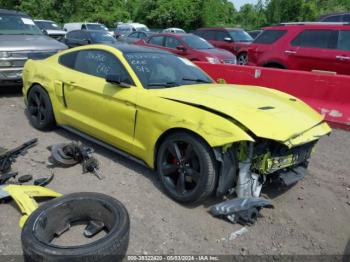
(265, 112)
(29, 42)
(216, 52)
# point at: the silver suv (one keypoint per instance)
(21, 39)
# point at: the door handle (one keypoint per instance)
(128, 103)
(342, 58)
(290, 52)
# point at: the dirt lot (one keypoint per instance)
(311, 218)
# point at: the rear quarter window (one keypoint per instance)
(269, 36)
(316, 39)
(68, 60)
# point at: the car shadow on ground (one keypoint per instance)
(11, 91)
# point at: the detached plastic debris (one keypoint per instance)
(244, 211)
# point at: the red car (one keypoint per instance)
(235, 40)
(190, 46)
(308, 47)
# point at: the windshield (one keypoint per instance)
(240, 36)
(17, 25)
(102, 37)
(196, 42)
(98, 27)
(165, 70)
(47, 25)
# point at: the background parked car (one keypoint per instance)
(303, 47)
(21, 39)
(84, 37)
(133, 37)
(339, 17)
(235, 40)
(174, 30)
(254, 33)
(190, 46)
(127, 28)
(50, 28)
(86, 26)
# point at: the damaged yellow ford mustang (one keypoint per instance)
(201, 137)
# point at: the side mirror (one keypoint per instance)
(116, 80)
(181, 48)
(228, 39)
(44, 31)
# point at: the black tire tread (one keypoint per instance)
(115, 246)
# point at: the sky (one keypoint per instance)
(239, 3)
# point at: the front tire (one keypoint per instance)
(186, 168)
(40, 109)
(242, 59)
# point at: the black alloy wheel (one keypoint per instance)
(40, 109)
(186, 168)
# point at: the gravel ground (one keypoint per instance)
(311, 218)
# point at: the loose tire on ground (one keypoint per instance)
(39, 109)
(52, 216)
(195, 159)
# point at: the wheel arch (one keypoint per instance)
(35, 84)
(274, 64)
(170, 131)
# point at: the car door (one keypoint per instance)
(171, 43)
(342, 53)
(103, 110)
(310, 50)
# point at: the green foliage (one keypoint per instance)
(187, 14)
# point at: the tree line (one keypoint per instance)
(187, 14)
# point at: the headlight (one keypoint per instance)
(4, 54)
(213, 60)
(5, 63)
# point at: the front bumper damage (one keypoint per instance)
(246, 167)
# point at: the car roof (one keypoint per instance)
(126, 48)
(11, 12)
(42, 20)
(221, 28)
(173, 34)
(88, 31)
(308, 25)
(334, 14)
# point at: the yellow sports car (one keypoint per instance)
(158, 108)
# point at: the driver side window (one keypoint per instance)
(172, 42)
(221, 35)
(97, 63)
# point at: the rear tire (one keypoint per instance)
(39, 109)
(186, 168)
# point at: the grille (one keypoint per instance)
(279, 157)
